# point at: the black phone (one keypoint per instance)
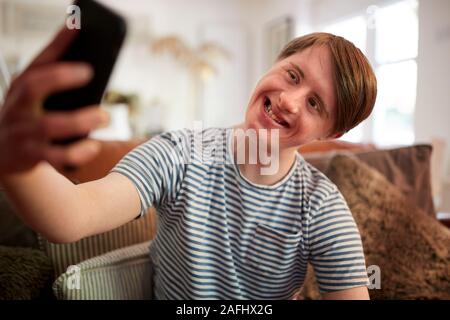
(98, 42)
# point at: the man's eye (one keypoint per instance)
(313, 103)
(293, 76)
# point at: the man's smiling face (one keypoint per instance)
(296, 96)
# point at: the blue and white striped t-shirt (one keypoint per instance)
(221, 236)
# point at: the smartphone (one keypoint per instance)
(98, 42)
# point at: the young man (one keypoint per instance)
(225, 230)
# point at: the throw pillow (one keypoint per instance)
(408, 168)
(411, 248)
(25, 274)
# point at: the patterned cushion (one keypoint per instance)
(411, 248)
(64, 255)
(408, 168)
(118, 275)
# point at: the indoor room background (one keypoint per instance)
(200, 59)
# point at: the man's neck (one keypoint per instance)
(254, 171)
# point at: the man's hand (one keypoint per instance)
(26, 132)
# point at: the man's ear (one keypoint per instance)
(332, 137)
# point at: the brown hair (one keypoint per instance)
(356, 84)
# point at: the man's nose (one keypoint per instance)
(289, 102)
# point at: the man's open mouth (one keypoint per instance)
(269, 112)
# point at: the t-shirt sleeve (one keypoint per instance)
(156, 168)
(335, 245)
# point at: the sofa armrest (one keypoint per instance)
(123, 274)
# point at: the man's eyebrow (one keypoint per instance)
(296, 67)
(302, 74)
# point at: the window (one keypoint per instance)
(389, 37)
(355, 30)
(396, 46)
(394, 111)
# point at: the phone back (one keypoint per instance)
(98, 43)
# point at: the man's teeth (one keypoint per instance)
(268, 108)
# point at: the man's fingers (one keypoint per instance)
(56, 47)
(42, 81)
(58, 125)
(30, 139)
(22, 144)
(50, 54)
(73, 155)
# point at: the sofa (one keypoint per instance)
(388, 192)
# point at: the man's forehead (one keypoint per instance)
(316, 65)
(318, 55)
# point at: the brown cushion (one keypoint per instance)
(110, 153)
(411, 248)
(408, 168)
(330, 145)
